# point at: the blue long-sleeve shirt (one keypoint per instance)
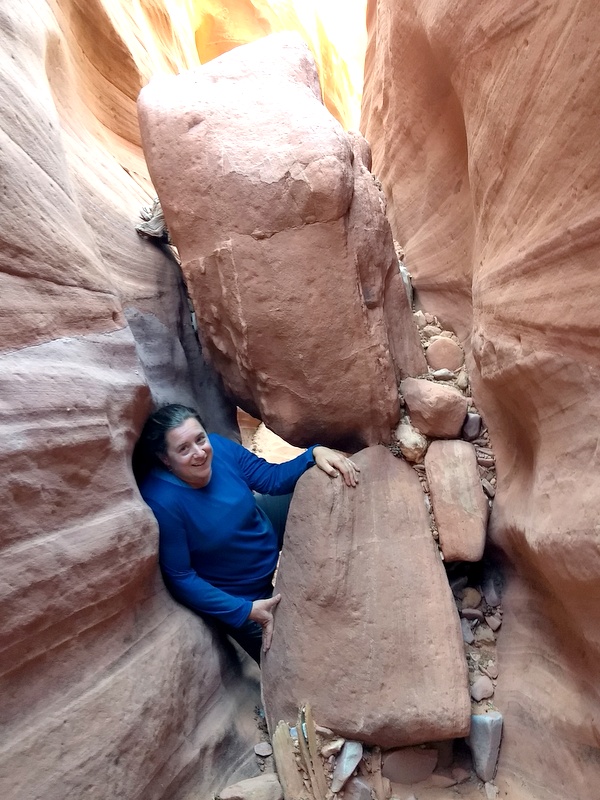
(218, 550)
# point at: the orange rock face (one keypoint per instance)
(109, 689)
(483, 123)
(283, 239)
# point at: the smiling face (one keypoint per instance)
(189, 453)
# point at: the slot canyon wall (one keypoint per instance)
(108, 687)
(483, 122)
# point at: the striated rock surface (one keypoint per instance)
(482, 119)
(459, 505)
(109, 689)
(353, 619)
(284, 243)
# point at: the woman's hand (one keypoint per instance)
(334, 463)
(262, 612)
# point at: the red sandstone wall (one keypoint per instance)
(108, 688)
(483, 118)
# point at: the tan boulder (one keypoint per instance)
(350, 627)
(437, 411)
(284, 242)
(444, 353)
(459, 505)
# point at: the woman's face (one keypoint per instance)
(189, 453)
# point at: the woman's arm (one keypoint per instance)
(266, 478)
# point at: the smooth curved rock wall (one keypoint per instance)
(483, 124)
(108, 687)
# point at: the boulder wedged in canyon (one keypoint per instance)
(284, 243)
(459, 505)
(366, 631)
(109, 688)
(482, 119)
(435, 410)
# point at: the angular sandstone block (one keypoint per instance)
(459, 505)
(287, 251)
(437, 411)
(355, 636)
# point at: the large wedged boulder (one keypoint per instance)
(284, 243)
(366, 630)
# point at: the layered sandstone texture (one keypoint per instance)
(483, 122)
(379, 659)
(109, 689)
(284, 242)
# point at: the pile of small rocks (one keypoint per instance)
(442, 435)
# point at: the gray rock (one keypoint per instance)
(443, 375)
(490, 589)
(467, 633)
(406, 280)
(472, 426)
(345, 764)
(263, 749)
(484, 741)
(488, 488)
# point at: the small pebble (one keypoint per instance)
(332, 748)
(471, 598)
(494, 622)
(488, 488)
(472, 426)
(492, 670)
(491, 791)
(482, 688)
(263, 749)
(442, 375)
(419, 318)
(485, 461)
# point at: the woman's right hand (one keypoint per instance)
(262, 612)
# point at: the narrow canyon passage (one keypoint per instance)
(420, 293)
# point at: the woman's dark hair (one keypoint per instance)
(153, 440)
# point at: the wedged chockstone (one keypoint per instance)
(284, 242)
(366, 630)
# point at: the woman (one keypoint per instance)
(218, 549)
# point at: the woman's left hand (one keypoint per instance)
(334, 464)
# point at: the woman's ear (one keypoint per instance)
(165, 460)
